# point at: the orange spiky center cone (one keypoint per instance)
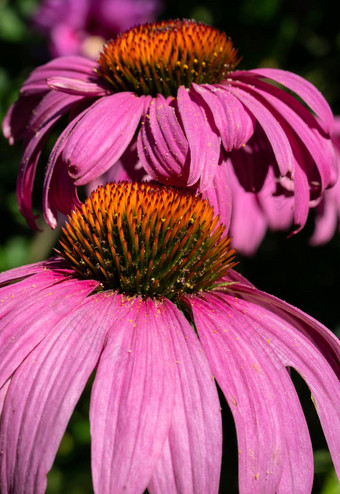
(146, 239)
(157, 58)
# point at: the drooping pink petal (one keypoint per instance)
(14, 125)
(275, 453)
(248, 224)
(50, 109)
(304, 89)
(327, 216)
(271, 127)
(53, 173)
(73, 66)
(77, 86)
(192, 455)
(102, 134)
(301, 195)
(133, 398)
(162, 146)
(219, 194)
(29, 311)
(278, 209)
(235, 125)
(204, 143)
(43, 393)
(307, 346)
(288, 109)
(62, 194)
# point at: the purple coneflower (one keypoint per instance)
(80, 27)
(144, 293)
(253, 214)
(171, 87)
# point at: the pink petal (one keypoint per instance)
(248, 223)
(30, 269)
(43, 393)
(301, 195)
(15, 123)
(219, 194)
(133, 397)
(54, 172)
(162, 145)
(277, 209)
(232, 120)
(204, 143)
(272, 128)
(113, 121)
(302, 343)
(30, 309)
(192, 455)
(72, 66)
(305, 90)
(50, 109)
(305, 126)
(275, 453)
(77, 86)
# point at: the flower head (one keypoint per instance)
(170, 89)
(157, 339)
(76, 27)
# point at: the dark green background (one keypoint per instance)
(302, 36)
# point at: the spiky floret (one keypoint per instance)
(159, 57)
(146, 239)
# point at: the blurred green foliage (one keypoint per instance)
(302, 36)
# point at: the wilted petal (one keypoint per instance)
(102, 135)
(191, 458)
(132, 399)
(43, 393)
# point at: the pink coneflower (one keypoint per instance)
(144, 294)
(171, 86)
(254, 214)
(80, 27)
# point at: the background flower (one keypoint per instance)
(254, 214)
(79, 27)
(123, 310)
